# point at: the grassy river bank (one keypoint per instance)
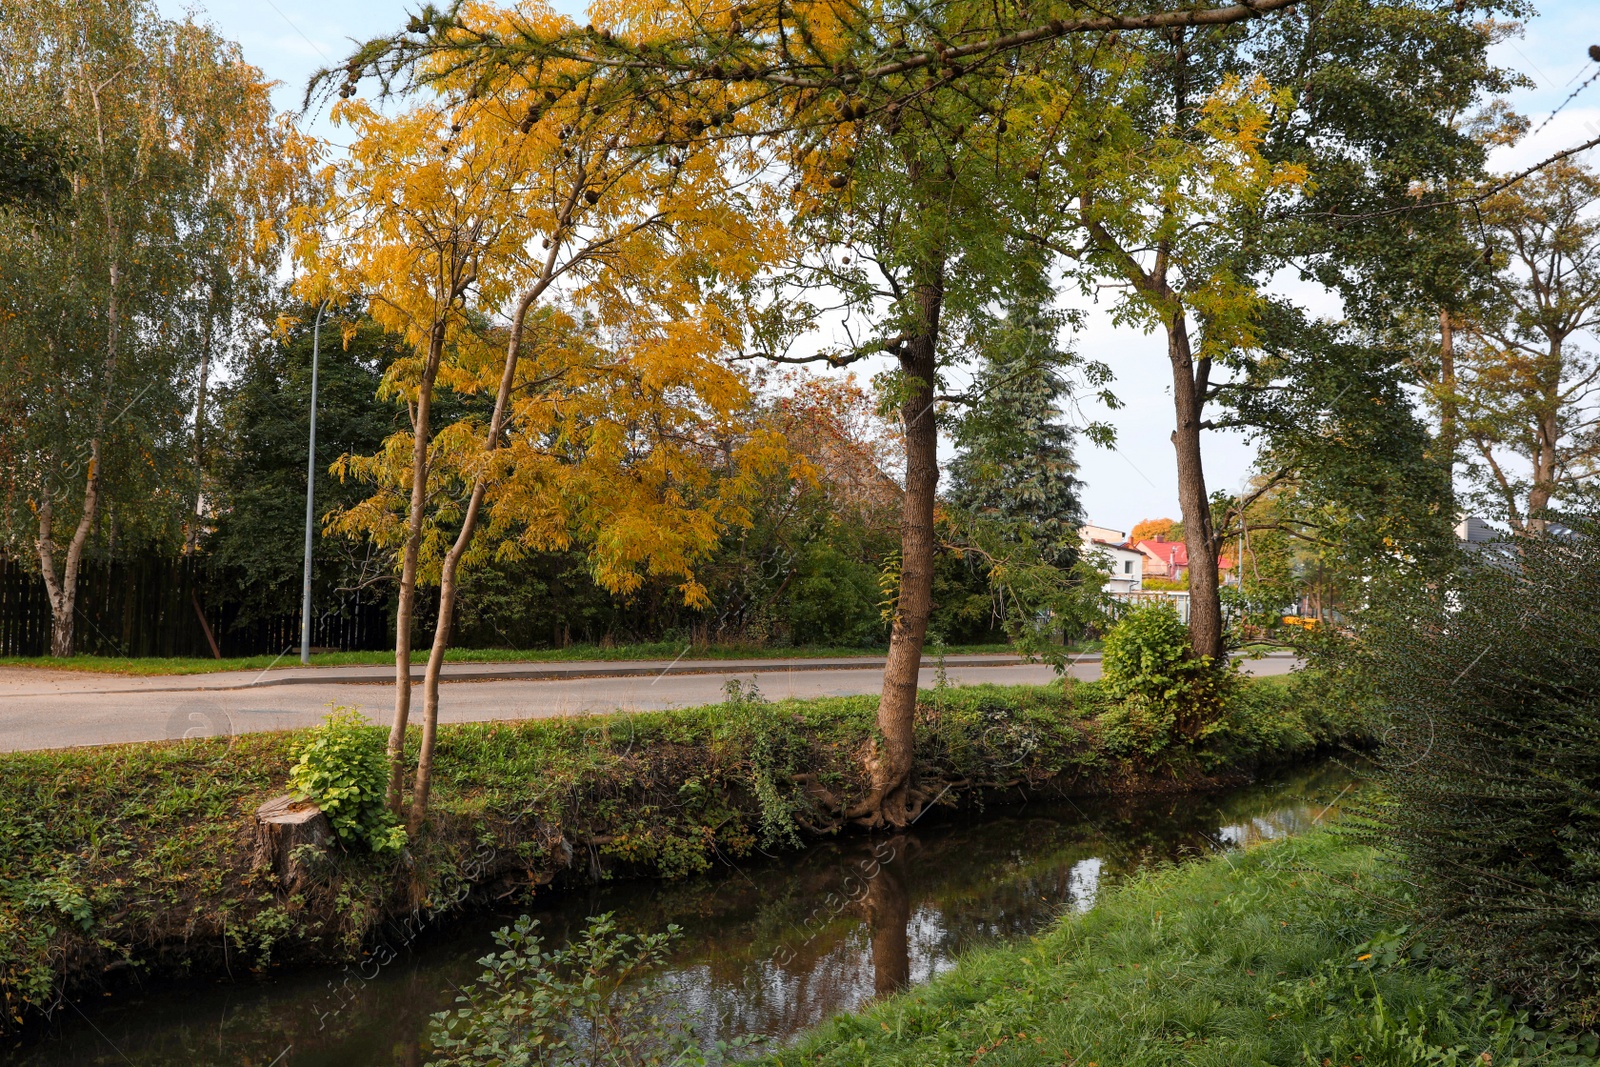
(123, 863)
(1294, 952)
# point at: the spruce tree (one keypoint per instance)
(1015, 464)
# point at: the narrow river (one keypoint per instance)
(767, 949)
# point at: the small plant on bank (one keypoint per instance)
(1165, 691)
(772, 759)
(588, 1003)
(340, 767)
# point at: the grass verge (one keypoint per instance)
(1295, 952)
(656, 651)
(130, 860)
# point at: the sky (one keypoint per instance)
(289, 39)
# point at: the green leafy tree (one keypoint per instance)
(910, 208)
(1315, 141)
(1014, 464)
(255, 550)
(1163, 191)
(177, 161)
(1350, 482)
(1526, 366)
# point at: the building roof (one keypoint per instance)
(1111, 546)
(1172, 553)
(1104, 535)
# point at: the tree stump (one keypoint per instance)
(283, 824)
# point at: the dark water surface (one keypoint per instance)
(769, 948)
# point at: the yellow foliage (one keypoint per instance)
(498, 206)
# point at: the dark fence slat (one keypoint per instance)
(145, 607)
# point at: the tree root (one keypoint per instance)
(884, 808)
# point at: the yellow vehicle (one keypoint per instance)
(1305, 622)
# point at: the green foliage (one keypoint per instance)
(1137, 728)
(61, 894)
(255, 551)
(1285, 954)
(832, 595)
(1015, 465)
(340, 766)
(966, 605)
(1148, 664)
(33, 166)
(1352, 481)
(1303, 712)
(774, 754)
(581, 1004)
(1489, 689)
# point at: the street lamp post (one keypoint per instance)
(311, 487)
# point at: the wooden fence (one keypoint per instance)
(158, 607)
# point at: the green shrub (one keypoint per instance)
(582, 1004)
(1147, 663)
(340, 767)
(1136, 727)
(772, 752)
(1302, 712)
(1489, 690)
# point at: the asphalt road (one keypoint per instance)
(62, 709)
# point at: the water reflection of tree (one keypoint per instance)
(888, 908)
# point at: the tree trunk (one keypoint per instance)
(1188, 394)
(408, 568)
(192, 540)
(1543, 488)
(890, 801)
(447, 574)
(1449, 410)
(889, 917)
(1546, 435)
(62, 588)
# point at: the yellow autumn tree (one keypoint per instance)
(507, 198)
(420, 219)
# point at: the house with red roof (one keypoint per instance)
(1170, 559)
(1164, 559)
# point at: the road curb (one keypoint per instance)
(549, 675)
(513, 672)
(529, 673)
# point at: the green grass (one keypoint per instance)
(1296, 952)
(658, 650)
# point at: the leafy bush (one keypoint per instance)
(1490, 700)
(1263, 718)
(773, 753)
(1136, 727)
(340, 767)
(1148, 663)
(582, 1004)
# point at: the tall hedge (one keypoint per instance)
(1489, 684)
